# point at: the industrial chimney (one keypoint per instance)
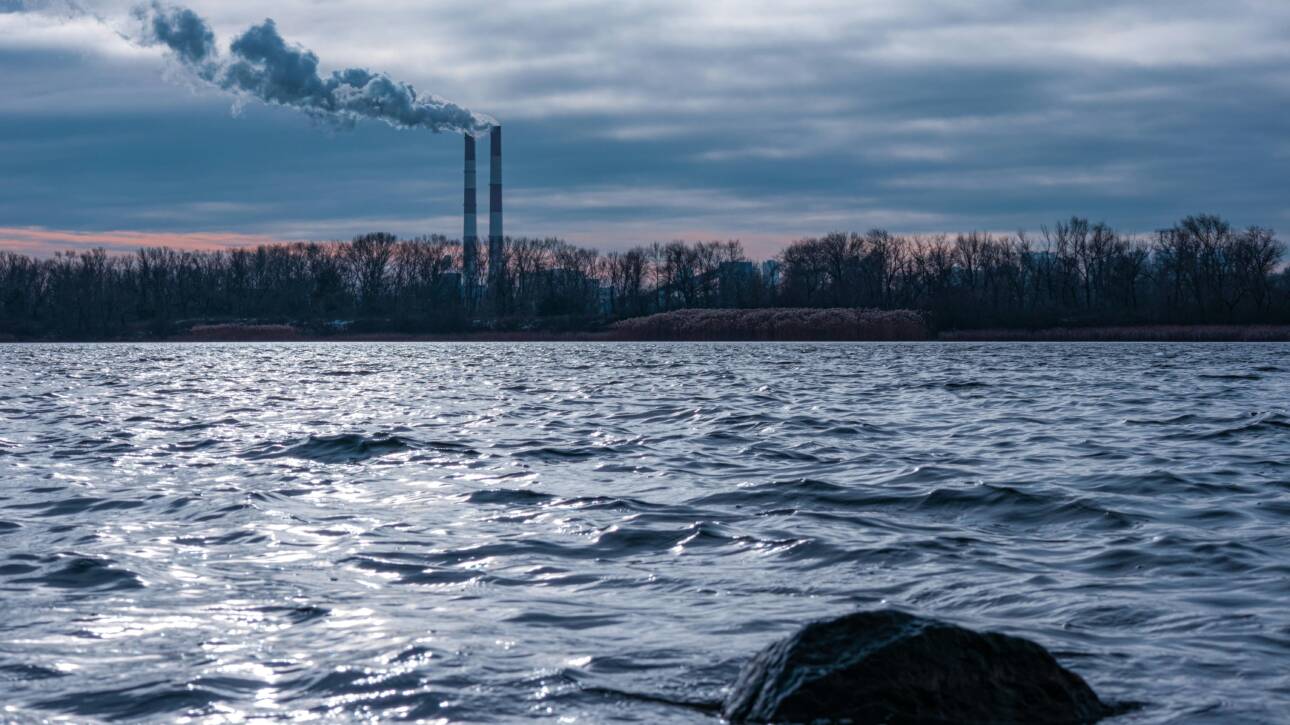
(470, 231)
(496, 253)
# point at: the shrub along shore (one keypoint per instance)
(784, 325)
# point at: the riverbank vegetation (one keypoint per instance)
(1073, 275)
(781, 323)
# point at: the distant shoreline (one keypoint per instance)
(1126, 333)
(1143, 333)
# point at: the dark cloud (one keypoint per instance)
(646, 121)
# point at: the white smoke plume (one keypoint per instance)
(262, 65)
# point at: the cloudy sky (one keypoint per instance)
(640, 120)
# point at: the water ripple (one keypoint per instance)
(503, 533)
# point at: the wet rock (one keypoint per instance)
(892, 667)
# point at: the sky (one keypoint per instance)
(633, 121)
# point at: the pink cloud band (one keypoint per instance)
(38, 241)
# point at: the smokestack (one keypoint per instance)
(470, 231)
(495, 252)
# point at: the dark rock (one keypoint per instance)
(892, 667)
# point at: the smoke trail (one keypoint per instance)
(263, 66)
(181, 30)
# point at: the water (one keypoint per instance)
(493, 532)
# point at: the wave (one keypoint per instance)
(27, 673)
(411, 571)
(1010, 505)
(79, 505)
(1229, 376)
(1254, 424)
(508, 497)
(140, 702)
(571, 622)
(1004, 504)
(81, 572)
(799, 493)
(343, 448)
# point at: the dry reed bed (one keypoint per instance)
(774, 324)
(235, 332)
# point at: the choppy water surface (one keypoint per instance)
(492, 532)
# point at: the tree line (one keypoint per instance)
(1201, 270)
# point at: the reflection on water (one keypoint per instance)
(494, 532)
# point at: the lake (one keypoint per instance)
(509, 532)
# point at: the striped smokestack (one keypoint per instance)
(495, 250)
(470, 231)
